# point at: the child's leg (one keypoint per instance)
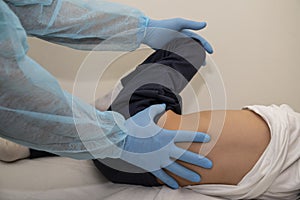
(172, 67)
(159, 79)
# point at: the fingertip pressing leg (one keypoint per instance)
(166, 179)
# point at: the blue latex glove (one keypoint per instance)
(152, 148)
(160, 32)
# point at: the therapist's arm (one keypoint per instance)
(83, 24)
(36, 112)
(86, 24)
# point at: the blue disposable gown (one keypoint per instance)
(34, 110)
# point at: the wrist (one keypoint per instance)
(152, 23)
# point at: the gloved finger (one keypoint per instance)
(189, 24)
(166, 179)
(156, 109)
(190, 157)
(183, 172)
(188, 136)
(204, 42)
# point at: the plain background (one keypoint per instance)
(256, 49)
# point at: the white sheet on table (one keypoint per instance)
(62, 178)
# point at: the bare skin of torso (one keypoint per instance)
(238, 139)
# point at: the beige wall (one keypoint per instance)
(256, 43)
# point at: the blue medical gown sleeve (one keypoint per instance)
(36, 112)
(82, 24)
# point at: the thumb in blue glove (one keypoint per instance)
(160, 32)
(152, 148)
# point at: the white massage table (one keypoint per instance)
(63, 178)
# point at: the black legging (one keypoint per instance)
(159, 79)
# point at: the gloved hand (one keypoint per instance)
(160, 32)
(152, 148)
